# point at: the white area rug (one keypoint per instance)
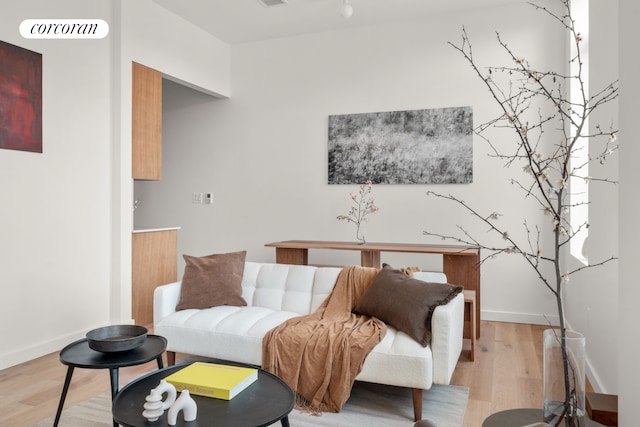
(370, 405)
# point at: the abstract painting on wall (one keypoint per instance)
(20, 98)
(433, 146)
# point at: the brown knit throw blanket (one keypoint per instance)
(320, 354)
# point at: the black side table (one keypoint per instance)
(78, 354)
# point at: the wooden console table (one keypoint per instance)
(461, 264)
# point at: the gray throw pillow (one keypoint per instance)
(405, 303)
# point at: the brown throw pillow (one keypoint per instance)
(212, 280)
(405, 303)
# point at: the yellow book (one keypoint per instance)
(213, 380)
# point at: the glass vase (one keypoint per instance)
(564, 378)
(360, 230)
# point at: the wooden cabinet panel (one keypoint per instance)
(146, 122)
(154, 263)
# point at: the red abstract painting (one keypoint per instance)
(20, 98)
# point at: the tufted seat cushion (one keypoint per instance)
(224, 332)
(274, 293)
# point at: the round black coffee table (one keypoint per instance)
(263, 403)
(78, 354)
(521, 417)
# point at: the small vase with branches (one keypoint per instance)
(364, 204)
(546, 125)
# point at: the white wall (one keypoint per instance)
(629, 211)
(591, 298)
(66, 214)
(263, 153)
(157, 38)
(55, 255)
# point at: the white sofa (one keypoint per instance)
(277, 292)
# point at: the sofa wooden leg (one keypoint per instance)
(417, 404)
(171, 358)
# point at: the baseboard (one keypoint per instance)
(511, 317)
(594, 378)
(592, 375)
(26, 354)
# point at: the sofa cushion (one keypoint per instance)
(223, 332)
(212, 280)
(297, 288)
(405, 303)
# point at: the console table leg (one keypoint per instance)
(285, 421)
(370, 258)
(292, 256)
(465, 270)
(63, 396)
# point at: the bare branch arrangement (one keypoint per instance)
(546, 125)
(363, 206)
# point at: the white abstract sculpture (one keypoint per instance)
(153, 406)
(184, 403)
(165, 387)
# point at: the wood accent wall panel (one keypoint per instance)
(154, 263)
(146, 123)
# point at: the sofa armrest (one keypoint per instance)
(447, 326)
(165, 300)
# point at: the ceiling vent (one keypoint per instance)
(268, 3)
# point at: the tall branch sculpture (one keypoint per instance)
(546, 125)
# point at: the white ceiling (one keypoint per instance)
(238, 21)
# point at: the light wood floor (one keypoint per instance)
(507, 373)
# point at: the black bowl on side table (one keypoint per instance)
(116, 338)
